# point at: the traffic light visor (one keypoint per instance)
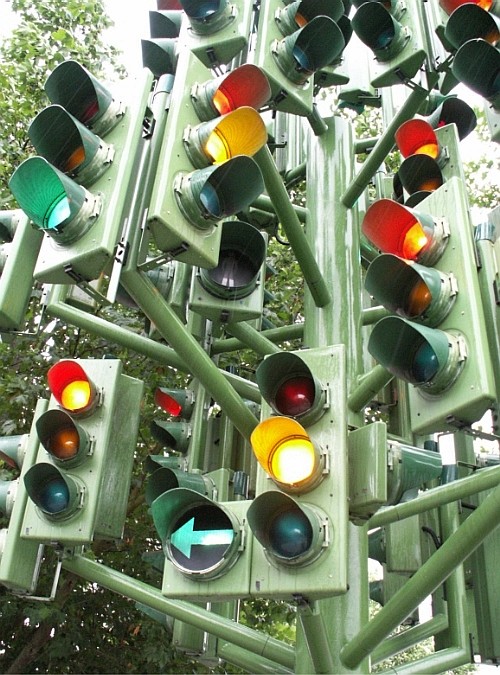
(55, 494)
(81, 94)
(468, 22)
(241, 132)
(411, 290)
(477, 65)
(69, 145)
(450, 6)
(246, 85)
(71, 387)
(285, 451)
(66, 442)
(396, 229)
(291, 533)
(46, 195)
(412, 352)
(416, 136)
(379, 31)
(290, 388)
(242, 254)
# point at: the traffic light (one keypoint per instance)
(205, 170)
(174, 433)
(477, 65)
(83, 225)
(19, 558)
(78, 487)
(299, 516)
(438, 343)
(382, 470)
(470, 21)
(234, 290)
(218, 29)
(450, 6)
(18, 257)
(293, 43)
(392, 31)
(204, 537)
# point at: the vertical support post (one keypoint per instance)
(333, 233)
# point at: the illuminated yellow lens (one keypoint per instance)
(431, 149)
(241, 132)
(293, 461)
(76, 395)
(64, 444)
(419, 299)
(414, 241)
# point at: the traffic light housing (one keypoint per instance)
(299, 515)
(19, 558)
(392, 31)
(438, 343)
(205, 169)
(234, 290)
(78, 487)
(18, 256)
(76, 190)
(204, 537)
(218, 30)
(293, 43)
(174, 433)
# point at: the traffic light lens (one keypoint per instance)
(75, 160)
(64, 443)
(168, 403)
(293, 461)
(59, 213)
(418, 299)
(54, 496)
(414, 241)
(76, 395)
(425, 363)
(295, 396)
(290, 534)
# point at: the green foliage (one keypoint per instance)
(47, 33)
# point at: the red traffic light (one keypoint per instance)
(243, 86)
(72, 388)
(450, 6)
(396, 229)
(416, 136)
(176, 402)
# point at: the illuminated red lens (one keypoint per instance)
(71, 386)
(295, 396)
(168, 403)
(244, 86)
(417, 137)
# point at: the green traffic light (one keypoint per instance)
(429, 358)
(57, 495)
(55, 203)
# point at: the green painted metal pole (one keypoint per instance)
(373, 314)
(484, 479)
(143, 291)
(276, 335)
(333, 232)
(225, 629)
(252, 338)
(293, 229)
(426, 579)
(313, 625)
(266, 204)
(408, 638)
(249, 661)
(368, 387)
(383, 147)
